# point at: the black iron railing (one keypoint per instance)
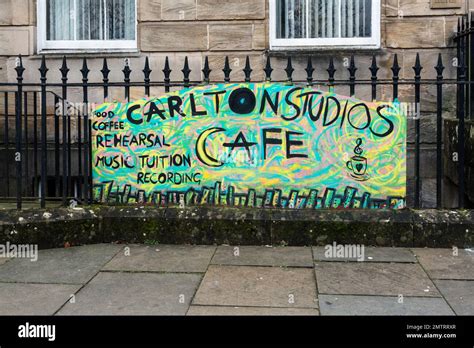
(56, 147)
(465, 104)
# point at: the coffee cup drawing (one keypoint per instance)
(357, 165)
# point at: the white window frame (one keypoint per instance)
(45, 45)
(372, 42)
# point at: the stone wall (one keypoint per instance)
(239, 28)
(54, 227)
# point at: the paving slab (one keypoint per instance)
(366, 278)
(443, 264)
(459, 294)
(76, 265)
(382, 305)
(135, 294)
(162, 258)
(252, 311)
(257, 287)
(370, 254)
(34, 299)
(263, 256)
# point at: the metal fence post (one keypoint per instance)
(227, 70)
(85, 114)
(461, 114)
(186, 72)
(167, 72)
(331, 72)
(126, 79)
(7, 143)
(18, 141)
(309, 71)
(105, 78)
(66, 129)
(417, 69)
(352, 75)
(439, 129)
(147, 72)
(268, 70)
(206, 71)
(44, 156)
(395, 78)
(374, 70)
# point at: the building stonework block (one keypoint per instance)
(167, 37)
(260, 36)
(149, 10)
(451, 29)
(390, 8)
(182, 10)
(3, 70)
(231, 9)
(16, 40)
(415, 33)
(423, 8)
(230, 37)
(15, 12)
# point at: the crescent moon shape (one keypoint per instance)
(201, 152)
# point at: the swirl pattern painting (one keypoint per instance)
(251, 144)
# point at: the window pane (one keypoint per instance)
(60, 19)
(323, 18)
(357, 15)
(292, 19)
(121, 19)
(90, 19)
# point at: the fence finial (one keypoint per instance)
(331, 70)
(289, 70)
(395, 76)
(395, 67)
(84, 70)
(186, 71)
(352, 68)
(417, 68)
(373, 67)
(166, 70)
(43, 69)
(373, 70)
(352, 75)
(309, 71)
(19, 68)
(206, 70)
(64, 69)
(227, 70)
(105, 71)
(247, 70)
(439, 66)
(126, 70)
(146, 70)
(268, 70)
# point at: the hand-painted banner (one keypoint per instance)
(253, 144)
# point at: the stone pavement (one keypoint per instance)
(112, 279)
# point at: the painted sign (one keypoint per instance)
(253, 144)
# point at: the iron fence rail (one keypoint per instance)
(70, 147)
